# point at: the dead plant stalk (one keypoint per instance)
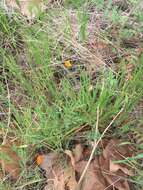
(97, 142)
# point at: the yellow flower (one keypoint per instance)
(68, 64)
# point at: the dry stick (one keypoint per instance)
(92, 153)
(29, 183)
(96, 143)
(112, 184)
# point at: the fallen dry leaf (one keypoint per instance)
(28, 8)
(102, 172)
(93, 177)
(10, 161)
(129, 70)
(70, 154)
(117, 181)
(70, 178)
(59, 176)
(115, 174)
(78, 152)
(47, 161)
(115, 167)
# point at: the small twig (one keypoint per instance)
(93, 150)
(96, 143)
(29, 183)
(112, 184)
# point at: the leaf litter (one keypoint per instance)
(9, 162)
(28, 8)
(102, 173)
(63, 171)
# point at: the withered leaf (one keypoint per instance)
(59, 177)
(70, 178)
(115, 174)
(102, 173)
(27, 8)
(10, 161)
(70, 154)
(47, 161)
(93, 177)
(117, 181)
(114, 167)
(78, 152)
